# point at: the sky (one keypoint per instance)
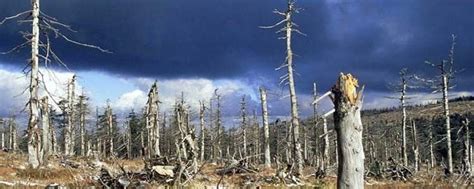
(195, 47)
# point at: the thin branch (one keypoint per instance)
(14, 16)
(274, 25)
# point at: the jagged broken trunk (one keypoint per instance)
(348, 125)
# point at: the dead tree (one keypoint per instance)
(152, 121)
(13, 134)
(443, 84)
(289, 28)
(41, 24)
(326, 161)
(82, 122)
(110, 129)
(202, 109)
(415, 147)
(46, 126)
(348, 103)
(219, 131)
(315, 122)
(431, 141)
(466, 157)
(401, 87)
(243, 125)
(266, 131)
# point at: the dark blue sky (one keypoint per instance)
(220, 39)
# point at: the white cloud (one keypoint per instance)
(14, 86)
(170, 90)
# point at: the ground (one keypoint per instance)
(15, 173)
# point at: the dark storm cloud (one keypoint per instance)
(221, 39)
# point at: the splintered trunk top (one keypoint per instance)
(348, 125)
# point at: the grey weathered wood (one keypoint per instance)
(415, 147)
(266, 131)
(45, 125)
(33, 121)
(348, 125)
(202, 109)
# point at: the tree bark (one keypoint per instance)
(415, 147)
(466, 159)
(293, 100)
(45, 127)
(82, 121)
(266, 131)
(430, 140)
(447, 122)
(349, 128)
(202, 110)
(244, 125)
(404, 123)
(33, 135)
(69, 132)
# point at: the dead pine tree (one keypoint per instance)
(110, 129)
(219, 129)
(348, 125)
(202, 109)
(243, 125)
(82, 122)
(42, 25)
(46, 126)
(405, 83)
(266, 131)
(443, 83)
(466, 148)
(152, 121)
(290, 27)
(415, 148)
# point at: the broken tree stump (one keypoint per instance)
(348, 103)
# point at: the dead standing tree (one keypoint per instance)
(82, 121)
(42, 25)
(202, 109)
(266, 131)
(443, 83)
(152, 121)
(69, 134)
(347, 121)
(289, 28)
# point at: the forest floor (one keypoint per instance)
(82, 172)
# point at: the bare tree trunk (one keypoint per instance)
(109, 117)
(266, 132)
(33, 135)
(45, 126)
(202, 110)
(415, 147)
(129, 140)
(430, 139)
(404, 123)
(219, 126)
(3, 140)
(448, 123)
(315, 121)
(288, 143)
(69, 131)
(349, 128)
(466, 160)
(244, 125)
(13, 135)
(82, 121)
(294, 105)
(326, 157)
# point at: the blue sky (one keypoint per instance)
(218, 44)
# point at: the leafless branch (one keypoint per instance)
(14, 16)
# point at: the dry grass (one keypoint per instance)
(13, 169)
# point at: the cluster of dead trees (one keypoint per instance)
(154, 134)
